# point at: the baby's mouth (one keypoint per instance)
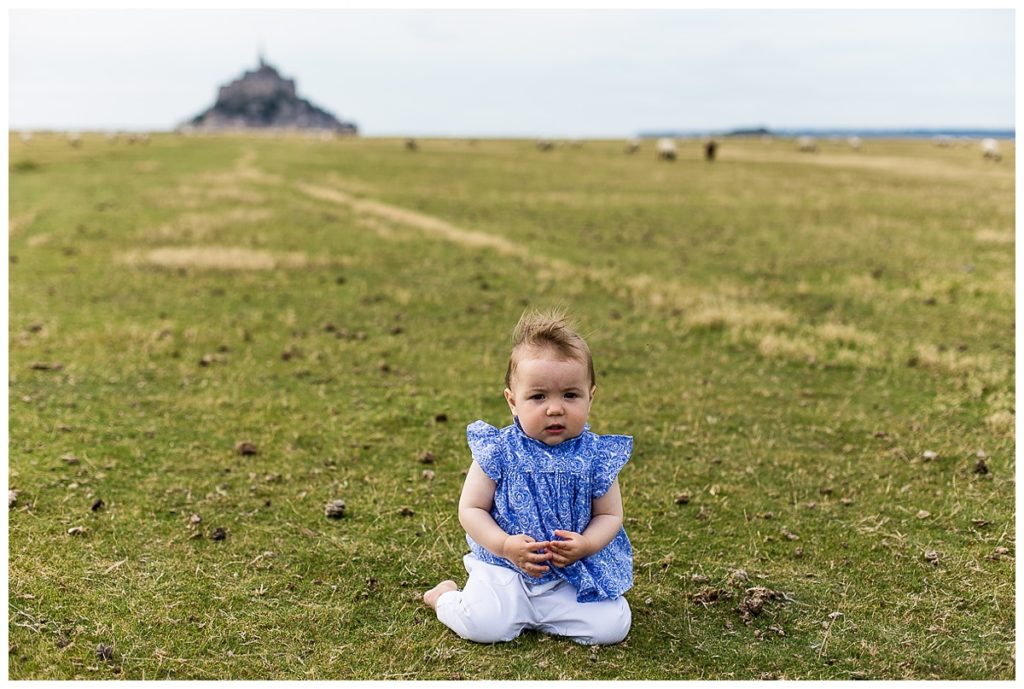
(555, 428)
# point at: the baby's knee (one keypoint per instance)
(489, 631)
(476, 621)
(610, 627)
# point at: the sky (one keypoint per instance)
(565, 73)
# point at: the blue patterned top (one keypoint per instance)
(541, 488)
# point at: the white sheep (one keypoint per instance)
(806, 144)
(632, 146)
(74, 139)
(666, 149)
(854, 142)
(990, 149)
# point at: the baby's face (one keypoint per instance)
(551, 395)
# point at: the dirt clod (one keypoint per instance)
(219, 534)
(406, 511)
(683, 498)
(736, 577)
(105, 652)
(928, 455)
(43, 366)
(923, 514)
(708, 595)
(335, 509)
(704, 513)
(77, 531)
(427, 475)
(98, 504)
(440, 418)
(931, 556)
(206, 360)
(981, 522)
(245, 447)
(12, 498)
(427, 457)
(998, 553)
(790, 535)
(71, 460)
(753, 602)
(980, 467)
(194, 520)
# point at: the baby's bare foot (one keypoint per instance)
(431, 596)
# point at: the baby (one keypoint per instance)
(541, 505)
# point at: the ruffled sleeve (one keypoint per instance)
(610, 454)
(485, 445)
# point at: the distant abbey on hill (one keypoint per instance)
(263, 99)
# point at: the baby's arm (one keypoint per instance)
(605, 522)
(475, 516)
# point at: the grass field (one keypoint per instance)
(817, 349)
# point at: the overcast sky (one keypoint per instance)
(583, 73)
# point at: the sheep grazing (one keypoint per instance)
(710, 146)
(411, 145)
(990, 150)
(632, 146)
(74, 139)
(666, 149)
(854, 142)
(545, 144)
(806, 144)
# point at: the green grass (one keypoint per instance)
(784, 335)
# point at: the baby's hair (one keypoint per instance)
(541, 329)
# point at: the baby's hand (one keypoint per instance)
(572, 547)
(521, 549)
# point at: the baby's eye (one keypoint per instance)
(572, 395)
(536, 396)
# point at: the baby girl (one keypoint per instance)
(541, 505)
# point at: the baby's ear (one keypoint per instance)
(593, 389)
(510, 398)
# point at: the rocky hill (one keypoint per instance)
(263, 99)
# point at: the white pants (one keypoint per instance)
(497, 604)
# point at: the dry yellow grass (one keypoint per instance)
(39, 239)
(219, 258)
(739, 315)
(20, 221)
(195, 226)
(421, 221)
(775, 346)
(845, 334)
(1002, 422)
(990, 236)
